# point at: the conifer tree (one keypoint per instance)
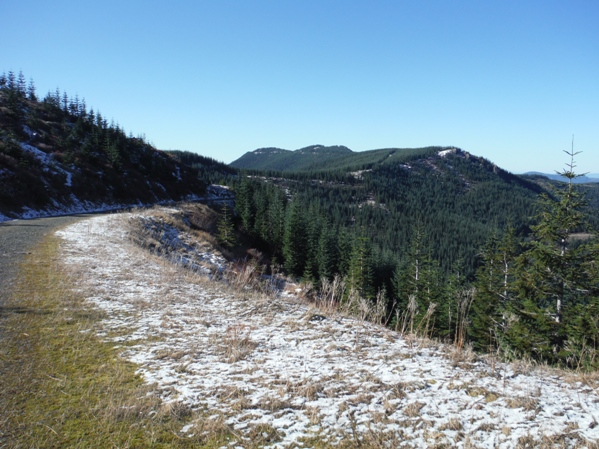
(21, 85)
(11, 82)
(65, 102)
(416, 284)
(494, 291)
(226, 229)
(244, 204)
(276, 218)
(295, 240)
(31, 91)
(552, 279)
(359, 276)
(328, 252)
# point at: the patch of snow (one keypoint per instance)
(266, 361)
(43, 157)
(177, 174)
(360, 173)
(446, 152)
(180, 247)
(46, 160)
(28, 131)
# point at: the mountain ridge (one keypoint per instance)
(318, 157)
(279, 159)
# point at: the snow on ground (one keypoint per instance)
(47, 161)
(277, 364)
(213, 195)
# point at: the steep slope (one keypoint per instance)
(57, 157)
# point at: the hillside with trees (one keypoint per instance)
(57, 155)
(454, 247)
(277, 159)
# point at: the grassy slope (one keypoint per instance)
(63, 387)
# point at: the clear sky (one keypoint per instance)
(508, 80)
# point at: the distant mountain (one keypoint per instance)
(56, 156)
(580, 180)
(277, 159)
(454, 198)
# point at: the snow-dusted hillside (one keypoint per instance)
(282, 373)
(215, 194)
(57, 157)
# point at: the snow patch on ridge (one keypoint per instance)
(444, 153)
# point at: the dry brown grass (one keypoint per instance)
(527, 403)
(412, 410)
(237, 343)
(453, 424)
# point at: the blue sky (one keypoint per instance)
(508, 80)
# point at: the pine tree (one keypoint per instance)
(494, 291)
(328, 252)
(11, 82)
(31, 91)
(65, 102)
(226, 229)
(276, 216)
(244, 204)
(359, 276)
(449, 304)
(416, 285)
(294, 240)
(21, 85)
(552, 279)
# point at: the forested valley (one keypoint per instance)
(451, 246)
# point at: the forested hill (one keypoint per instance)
(58, 156)
(277, 159)
(453, 200)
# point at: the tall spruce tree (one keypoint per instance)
(417, 285)
(226, 228)
(494, 291)
(295, 239)
(359, 277)
(553, 279)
